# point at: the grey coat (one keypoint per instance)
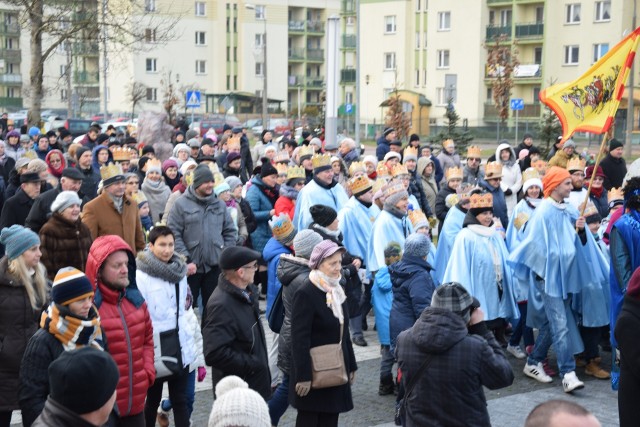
(202, 228)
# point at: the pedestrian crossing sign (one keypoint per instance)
(193, 99)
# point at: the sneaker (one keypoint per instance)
(162, 418)
(359, 341)
(516, 351)
(536, 372)
(594, 369)
(548, 369)
(570, 382)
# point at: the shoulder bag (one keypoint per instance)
(327, 365)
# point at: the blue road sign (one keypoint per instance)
(348, 108)
(193, 98)
(517, 104)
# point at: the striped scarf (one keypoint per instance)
(70, 330)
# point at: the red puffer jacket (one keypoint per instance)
(127, 327)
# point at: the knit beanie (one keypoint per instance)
(83, 380)
(233, 182)
(169, 163)
(70, 285)
(304, 242)
(181, 147)
(186, 166)
(202, 174)
(81, 150)
(414, 137)
(232, 156)
(64, 200)
(417, 245)
(221, 188)
(267, 169)
(409, 156)
(393, 249)
(394, 198)
(614, 143)
(530, 183)
(238, 405)
(322, 251)
(17, 240)
(323, 215)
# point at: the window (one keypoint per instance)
(63, 70)
(444, 21)
(505, 17)
(424, 77)
(571, 54)
(603, 11)
(259, 41)
(536, 94)
(424, 38)
(152, 65)
(261, 12)
(539, 14)
(235, 25)
(235, 54)
(417, 40)
(235, 81)
(390, 61)
(348, 98)
(149, 5)
(390, 24)
(228, 82)
(443, 59)
(201, 8)
(386, 93)
(259, 69)
(537, 55)
(418, 4)
(63, 95)
(201, 66)
(152, 94)
(417, 78)
(599, 50)
(489, 94)
(228, 54)
(351, 20)
(441, 97)
(201, 38)
(573, 14)
(149, 35)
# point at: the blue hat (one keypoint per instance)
(417, 245)
(17, 240)
(34, 131)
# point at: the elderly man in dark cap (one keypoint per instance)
(233, 336)
(17, 207)
(614, 165)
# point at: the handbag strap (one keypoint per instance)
(177, 305)
(414, 380)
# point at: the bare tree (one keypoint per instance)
(170, 98)
(136, 92)
(396, 117)
(124, 26)
(502, 59)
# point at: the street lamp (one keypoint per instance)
(264, 63)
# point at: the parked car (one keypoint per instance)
(77, 127)
(217, 122)
(276, 126)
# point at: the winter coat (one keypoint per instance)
(14, 151)
(171, 201)
(448, 160)
(412, 288)
(415, 189)
(16, 209)
(64, 244)
(441, 204)
(615, 170)
(313, 324)
(261, 205)
(472, 176)
(157, 197)
(41, 210)
(292, 272)
(56, 415)
(560, 159)
(90, 181)
(499, 202)
(271, 255)
(601, 203)
(18, 322)
(202, 228)
(522, 146)
(429, 185)
(462, 362)
(233, 337)
(285, 205)
(6, 167)
(626, 333)
(381, 300)
(102, 219)
(382, 148)
(193, 329)
(126, 325)
(511, 177)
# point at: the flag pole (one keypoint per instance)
(605, 137)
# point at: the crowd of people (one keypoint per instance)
(161, 264)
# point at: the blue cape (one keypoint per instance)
(386, 229)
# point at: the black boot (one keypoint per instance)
(386, 386)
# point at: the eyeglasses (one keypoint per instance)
(578, 174)
(473, 160)
(250, 267)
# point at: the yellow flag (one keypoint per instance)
(589, 103)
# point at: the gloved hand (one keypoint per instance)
(202, 372)
(352, 377)
(508, 192)
(303, 388)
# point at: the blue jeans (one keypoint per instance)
(554, 330)
(190, 391)
(521, 329)
(279, 401)
(386, 362)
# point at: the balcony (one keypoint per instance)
(491, 3)
(296, 54)
(315, 83)
(530, 31)
(349, 41)
(315, 27)
(295, 81)
(348, 75)
(86, 49)
(10, 29)
(296, 26)
(529, 111)
(11, 79)
(86, 77)
(493, 32)
(522, 74)
(315, 55)
(11, 102)
(10, 55)
(348, 7)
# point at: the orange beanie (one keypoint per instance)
(554, 177)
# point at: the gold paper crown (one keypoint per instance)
(615, 194)
(30, 155)
(418, 218)
(378, 184)
(399, 169)
(121, 154)
(357, 167)
(481, 201)
(218, 179)
(447, 142)
(281, 226)
(530, 173)
(493, 170)
(282, 157)
(541, 166)
(213, 167)
(320, 160)
(393, 189)
(139, 197)
(154, 163)
(360, 184)
(305, 151)
(590, 210)
(451, 200)
(296, 172)
(575, 164)
(411, 151)
(110, 171)
(233, 142)
(188, 178)
(382, 171)
(453, 173)
(282, 168)
(474, 152)
(521, 219)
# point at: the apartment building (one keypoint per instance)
(10, 60)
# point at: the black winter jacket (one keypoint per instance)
(16, 209)
(615, 170)
(56, 415)
(449, 393)
(626, 333)
(415, 189)
(233, 337)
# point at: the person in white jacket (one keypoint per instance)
(511, 174)
(161, 277)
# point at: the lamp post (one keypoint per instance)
(299, 105)
(264, 64)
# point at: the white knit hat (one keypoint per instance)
(237, 405)
(64, 200)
